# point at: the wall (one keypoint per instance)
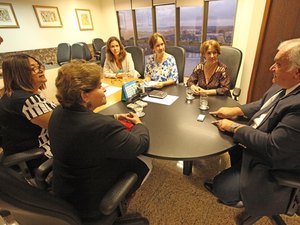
(31, 36)
(247, 28)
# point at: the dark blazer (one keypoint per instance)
(91, 151)
(273, 145)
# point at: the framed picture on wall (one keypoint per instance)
(84, 18)
(7, 16)
(47, 16)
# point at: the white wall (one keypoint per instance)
(31, 36)
(247, 29)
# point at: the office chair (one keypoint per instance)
(31, 206)
(138, 57)
(98, 43)
(179, 54)
(287, 179)
(17, 164)
(103, 55)
(232, 58)
(80, 50)
(63, 53)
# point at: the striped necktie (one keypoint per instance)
(271, 104)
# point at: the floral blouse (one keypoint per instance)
(220, 80)
(167, 70)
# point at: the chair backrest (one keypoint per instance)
(138, 57)
(179, 54)
(98, 43)
(103, 55)
(80, 50)
(63, 53)
(232, 58)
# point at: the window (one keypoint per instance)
(221, 15)
(126, 27)
(191, 20)
(165, 22)
(144, 27)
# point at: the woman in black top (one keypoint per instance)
(91, 151)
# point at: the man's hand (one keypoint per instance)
(227, 112)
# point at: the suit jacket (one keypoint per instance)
(273, 145)
(90, 153)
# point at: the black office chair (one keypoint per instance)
(103, 55)
(232, 58)
(63, 53)
(80, 50)
(98, 43)
(31, 206)
(179, 54)
(138, 57)
(287, 179)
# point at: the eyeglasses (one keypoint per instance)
(38, 69)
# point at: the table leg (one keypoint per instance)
(187, 167)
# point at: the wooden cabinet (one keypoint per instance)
(281, 21)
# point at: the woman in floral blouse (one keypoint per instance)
(211, 76)
(160, 66)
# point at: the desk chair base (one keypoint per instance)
(244, 219)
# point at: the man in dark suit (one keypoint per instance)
(269, 142)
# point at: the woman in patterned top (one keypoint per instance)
(24, 113)
(210, 77)
(160, 66)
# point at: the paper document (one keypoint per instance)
(111, 90)
(168, 100)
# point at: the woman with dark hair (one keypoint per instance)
(211, 76)
(24, 113)
(160, 66)
(91, 151)
(118, 62)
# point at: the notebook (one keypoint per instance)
(158, 94)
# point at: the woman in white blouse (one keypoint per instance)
(118, 62)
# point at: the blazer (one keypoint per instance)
(90, 153)
(273, 145)
(110, 68)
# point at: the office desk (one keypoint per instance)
(175, 133)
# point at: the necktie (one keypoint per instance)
(267, 108)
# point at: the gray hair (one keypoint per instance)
(292, 47)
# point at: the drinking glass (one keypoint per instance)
(203, 102)
(189, 93)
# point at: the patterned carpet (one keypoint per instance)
(170, 198)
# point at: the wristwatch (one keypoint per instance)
(234, 126)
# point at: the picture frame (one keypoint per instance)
(8, 18)
(47, 16)
(84, 19)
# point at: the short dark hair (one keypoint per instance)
(17, 74)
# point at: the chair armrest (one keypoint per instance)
(42, 172)
(117, 193)
(17, 158)
(286, 178)
(236, 93)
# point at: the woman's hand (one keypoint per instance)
(196, 90)
(131, 117)
(159, 85)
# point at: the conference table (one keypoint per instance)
(175, 133)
